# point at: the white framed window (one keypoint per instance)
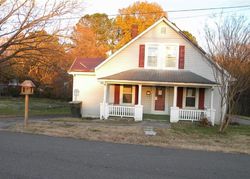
(171, 55)
(152, 56)
(190, 97)
(127, 94)
(162, 55)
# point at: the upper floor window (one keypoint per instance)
(152, 56)
(162, 56)
(171, 56)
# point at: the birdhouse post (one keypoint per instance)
(27, 88)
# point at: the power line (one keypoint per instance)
(200, 15)
(211, 8)
(246, 7)
(168, 11)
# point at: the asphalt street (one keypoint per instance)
(36, 156)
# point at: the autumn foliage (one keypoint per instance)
(143, 14)
(85, 43)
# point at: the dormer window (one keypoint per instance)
(161, 56)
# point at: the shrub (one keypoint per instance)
(204, 122)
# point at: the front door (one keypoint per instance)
(160, 99)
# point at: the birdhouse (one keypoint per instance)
(27, 87)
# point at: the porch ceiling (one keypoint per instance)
(159, 76)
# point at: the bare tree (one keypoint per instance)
(19, 20)
(228, 42)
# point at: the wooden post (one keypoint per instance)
(26, 112)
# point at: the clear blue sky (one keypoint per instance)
(192, 21)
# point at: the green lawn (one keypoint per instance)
(37, 106)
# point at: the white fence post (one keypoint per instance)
(174, 114)
(138, 112)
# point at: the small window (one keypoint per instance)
(152, 56)
(163, 30)
(190, 97)
(171, 56)
(127, 94)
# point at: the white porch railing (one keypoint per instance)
(177, 114)
(193, 115)
(107, 110)
(122, 111)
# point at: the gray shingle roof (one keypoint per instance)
(156, 75)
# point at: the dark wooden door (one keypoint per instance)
(160, 98)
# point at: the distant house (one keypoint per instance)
(11, 88)
(160, 71)
(3, 86)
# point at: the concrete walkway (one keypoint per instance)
(240, 120)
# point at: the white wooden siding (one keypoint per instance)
(90, 93)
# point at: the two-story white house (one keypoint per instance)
(159, 72)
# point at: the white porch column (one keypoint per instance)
(212, 98)
(174, 111)
(104, 105)
(139, 95)
(139, 108)
(175, 97)
(212, 111)
(105, 93)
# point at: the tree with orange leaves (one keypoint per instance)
(143, 14)
(85, 43)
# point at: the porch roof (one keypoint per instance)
(159, 76)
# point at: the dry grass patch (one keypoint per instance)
(188, 136)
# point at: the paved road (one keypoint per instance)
(33, 156)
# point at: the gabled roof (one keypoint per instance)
(159, 76)
(85, 64)
(174, 27)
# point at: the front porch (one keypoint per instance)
(171, 107)
(181, 94)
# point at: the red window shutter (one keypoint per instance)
(117, 94)
(181, 56)
(201, 98)
(136, 94)
(141, 55)
(179, 96)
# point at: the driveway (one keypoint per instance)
(34, 156)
